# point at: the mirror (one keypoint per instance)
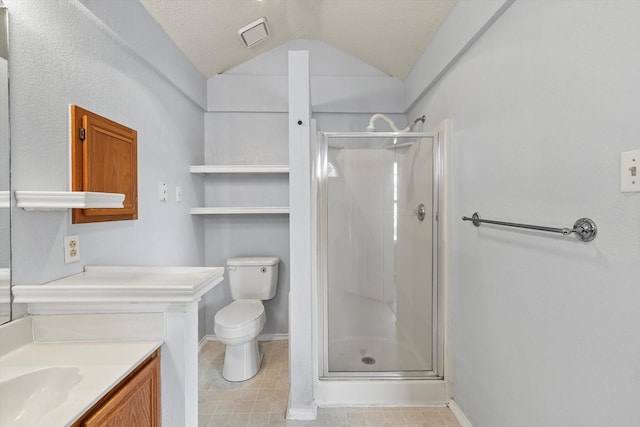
(5, 199)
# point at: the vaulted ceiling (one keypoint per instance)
(388, 34)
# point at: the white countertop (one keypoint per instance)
(99, 366)
(124, 285)
(89, 330)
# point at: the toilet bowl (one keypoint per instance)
(237, 325)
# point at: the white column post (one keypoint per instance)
(301, 402)
(179, 383)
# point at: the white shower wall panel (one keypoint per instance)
(413, 258)
(357, 219)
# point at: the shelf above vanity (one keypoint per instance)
(62, 200)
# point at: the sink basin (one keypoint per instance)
(28, 397)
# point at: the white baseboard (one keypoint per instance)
(303, 414)
(457, 412)
(263, 337)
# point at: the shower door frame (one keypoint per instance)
(321, 174)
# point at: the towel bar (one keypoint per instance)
(584, 228)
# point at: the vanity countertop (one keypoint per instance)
(160, 299)
(88, 371)
(55, 368)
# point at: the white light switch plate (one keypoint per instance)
(630, 171)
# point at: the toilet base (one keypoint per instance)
(242, 362)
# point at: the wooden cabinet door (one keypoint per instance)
(133, 403)
(104, 159)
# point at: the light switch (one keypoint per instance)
(630, 171)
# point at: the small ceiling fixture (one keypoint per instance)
(254, 33)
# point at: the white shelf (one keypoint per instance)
(62, 200)
(5, 202)
(239, 210)
(101, 285)
(239, 169)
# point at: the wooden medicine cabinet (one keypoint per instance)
(103, 159)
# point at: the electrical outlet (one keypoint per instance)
(71, 248)
(630, 171)
(163, 192)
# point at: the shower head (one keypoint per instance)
(372, 127)
(392, 125)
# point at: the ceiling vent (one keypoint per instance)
(254, 33)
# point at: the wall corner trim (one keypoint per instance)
(460, 416)
(468, 21)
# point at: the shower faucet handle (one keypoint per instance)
(421, 212)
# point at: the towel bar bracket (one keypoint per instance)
(584, 228)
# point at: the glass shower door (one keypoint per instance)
(379, 290)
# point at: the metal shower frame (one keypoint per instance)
(321, 173)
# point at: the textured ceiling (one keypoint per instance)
(388, 34)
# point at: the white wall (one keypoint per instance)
(545, 328)
(62, 54)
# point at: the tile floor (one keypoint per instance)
(262, 400)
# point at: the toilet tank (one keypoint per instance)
(253, 277)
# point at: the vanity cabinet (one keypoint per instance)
(135, 401)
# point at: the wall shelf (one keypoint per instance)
(206, 169)
(239, 169)
(63, 200)
(239, 210)
(5, 201)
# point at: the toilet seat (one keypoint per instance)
(241, 318)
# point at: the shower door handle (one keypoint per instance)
(421, 212)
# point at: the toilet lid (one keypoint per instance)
(239, 313)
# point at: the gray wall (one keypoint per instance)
(113, 59)
(545, 328)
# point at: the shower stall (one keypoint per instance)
(379, 297)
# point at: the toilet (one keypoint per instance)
(237, 325)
